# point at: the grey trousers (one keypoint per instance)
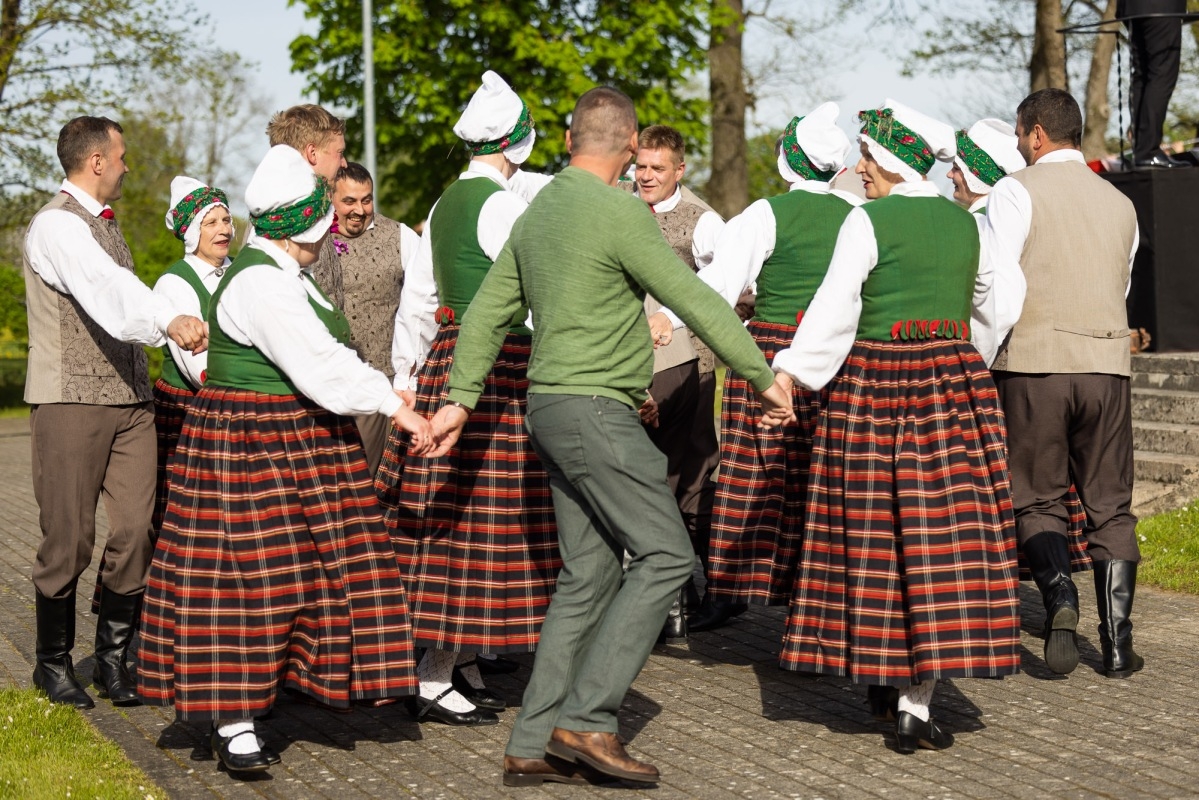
(610, 495)
(80, 454)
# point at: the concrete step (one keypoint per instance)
(1166, 405)
(1182, 363)
(1165, 437)
(1152, 497)
(1164, 467)
(1178, 381)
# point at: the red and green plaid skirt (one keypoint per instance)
(908, 565)
(757, 519)
(273, 568)
(474, 530)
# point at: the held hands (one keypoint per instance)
(189, 333)
(447, 427)
(661, 330)
(649, 411)
(422, 432)
(776, 402)
(407, 397)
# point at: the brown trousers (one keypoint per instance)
(374, 430)
(1064, 427)
(81, 453)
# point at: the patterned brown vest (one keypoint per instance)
(327, 274)
(678, 226)
(372, 276)
(71, 358)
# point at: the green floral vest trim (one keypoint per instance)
(237, 366)
(171, 373)
(798, 160)
(524, 126)
(980, 164)
(907, 145)
(185, 211)
(923, 284)
(282, 223)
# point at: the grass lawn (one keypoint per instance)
(49, 751)
(1170, 550)
(14, 412)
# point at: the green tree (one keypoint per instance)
(430, 55)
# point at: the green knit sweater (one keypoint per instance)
(582, 257)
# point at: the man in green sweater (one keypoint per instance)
(582, 259)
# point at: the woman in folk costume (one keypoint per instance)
(783, 244)
(474, 529)
(908, 565)
(274, 569)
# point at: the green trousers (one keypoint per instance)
(610, 495)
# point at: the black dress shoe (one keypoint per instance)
(1160, 161)
(713, 614)
(433, 711)
(912, 733)
(240, 762)
(483, 698)
(497, 666)
(884, 702)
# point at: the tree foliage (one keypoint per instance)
(429, 57)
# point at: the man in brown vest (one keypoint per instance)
(1063, 375)
(92, 421)
(372, 251)
(321, 138)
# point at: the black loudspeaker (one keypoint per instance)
(1164, 298)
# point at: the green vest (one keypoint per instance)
(459, 263)
(806, 226)
(923, 285)
(170, 370)
(237, 366)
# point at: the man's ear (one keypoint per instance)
(310, 154)
(568, 149)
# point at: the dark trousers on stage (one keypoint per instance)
(1072, 426)
(1156, 49)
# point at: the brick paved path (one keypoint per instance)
(717, 717)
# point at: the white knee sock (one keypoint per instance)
(471, 672)
(916, 698)
(435, 671)
(241, 731)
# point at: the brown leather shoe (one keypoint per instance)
(602, 752)
(536, 771)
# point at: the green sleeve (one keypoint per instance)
(486, 323)
(651, 262)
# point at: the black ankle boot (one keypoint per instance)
(1115, 584)
(55, 673)
(1048, 557)
(114, 632)
(675, 629)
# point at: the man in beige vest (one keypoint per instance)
(92, 421)
(321, 138)
(1063, 375)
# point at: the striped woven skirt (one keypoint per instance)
(474, 530)
(757, 520)
(908, 565)
(273, 569)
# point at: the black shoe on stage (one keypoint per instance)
(433, 711)
(1160, 161)
(497, 666)
(239, 762)
(913, 733)
(483, 698)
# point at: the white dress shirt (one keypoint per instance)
(64, 253)
(416, 321)
(182, 296)
(830, 324)
(268, 308)
(1009, 219)
(747, 241)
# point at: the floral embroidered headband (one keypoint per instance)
(907, 145)
(282, 223)
(184, 212)
(978, 161)
(524, 126)
(798, 160)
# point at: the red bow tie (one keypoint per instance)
(107, 214)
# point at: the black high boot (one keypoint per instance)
(1115, 584)
(55, 673)
(114, 632)
(1048, 557)
(675, 629)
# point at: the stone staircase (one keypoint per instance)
(1165, 430)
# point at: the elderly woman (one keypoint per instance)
(274, 569)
